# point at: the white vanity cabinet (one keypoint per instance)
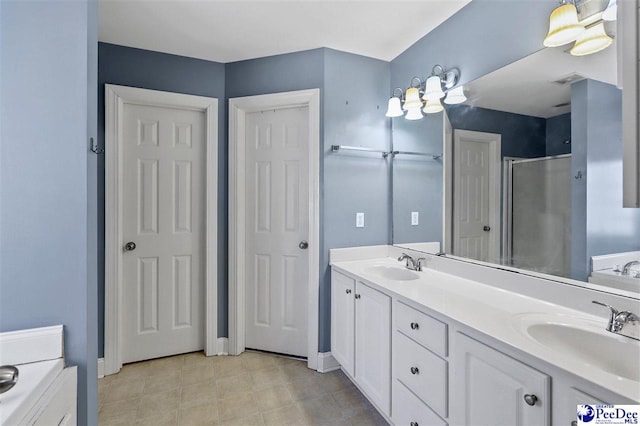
(489, 387)
(361, 336)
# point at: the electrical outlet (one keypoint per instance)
(415, 218)
(359, 220)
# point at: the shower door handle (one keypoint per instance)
(486, 228)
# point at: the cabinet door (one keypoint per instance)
(373, 345)
(490, 388)
(342, 320)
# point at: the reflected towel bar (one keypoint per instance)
(423, 154)
(336, 148)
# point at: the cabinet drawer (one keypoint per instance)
(422, 372)
(422, 328)
(408, 410)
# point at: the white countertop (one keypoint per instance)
(33, 380)
(493, 311)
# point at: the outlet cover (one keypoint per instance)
(359, 220)
(415, 218)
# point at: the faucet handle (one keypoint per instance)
(613, 310)
(419, 262)
(612, 318)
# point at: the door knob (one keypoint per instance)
(130, 246)
(530, 399)
(486, 228)
(303, 245)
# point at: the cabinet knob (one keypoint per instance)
(357, 296)
(415, 370)
(530, 399)
(574, 423)
(415, 326)
(348, 291)
(414, 423)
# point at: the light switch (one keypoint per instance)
(415, 218)
(359, 220)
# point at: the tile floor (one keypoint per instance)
(250, 389)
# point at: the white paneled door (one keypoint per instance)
(163, 231)
(277, 230)
(475, 200)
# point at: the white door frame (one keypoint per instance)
(238, 108)
(116, 97)
(495, 152)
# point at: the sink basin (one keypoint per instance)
(395, 273)
(588, 343)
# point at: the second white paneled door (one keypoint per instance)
(277, 230)
(163, 230)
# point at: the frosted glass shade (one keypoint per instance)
(433, 106)
(394, 109)
(413, 114)
(563, 26)
(591, 41)
(455, 96)
(611, 12)
(433, 88)
(412, 98)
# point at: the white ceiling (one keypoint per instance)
(527, 86)
(228, 31)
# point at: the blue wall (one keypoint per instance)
(558, 132)
(145, 69)
(48, 111)
(600, 225)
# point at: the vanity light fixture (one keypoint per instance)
(593, 40)
(566, 26)
(425, 96)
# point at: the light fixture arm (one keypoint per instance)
(393, 94)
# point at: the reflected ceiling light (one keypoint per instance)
(591, 41)
(563, 26)
(414, 113)
(432, 106)
(611, 12)
(394, 108)
(455, 96)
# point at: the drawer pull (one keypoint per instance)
(348, 291)
(530, 399)
(357, 296)
(414, 423)
(415, 326)
(415, 370)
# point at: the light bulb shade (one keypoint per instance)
(433, 106)
(412, 98)
(611, 12)
(591, 41)
(433, 88)
(455, 96)
(394, 109)
(413, 114)
(563, 26)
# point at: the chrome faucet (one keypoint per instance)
(618, 320)
(627, 267)
(411, 263)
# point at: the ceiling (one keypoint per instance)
(228, 31)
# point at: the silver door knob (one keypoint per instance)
(486, 228)
(415, 326)
(357, 296)
(303, 245)
(130, 246)
(415, 370)
(348, 291)
(530, 399)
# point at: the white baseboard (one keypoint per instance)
(326, 362)
(222, 347)
(100, 368)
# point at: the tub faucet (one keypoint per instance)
(618, 320)
(411, 263)
(627, 267)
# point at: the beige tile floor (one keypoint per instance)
(250, 389)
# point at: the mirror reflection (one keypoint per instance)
(531, 172)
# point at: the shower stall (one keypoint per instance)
(537, 214)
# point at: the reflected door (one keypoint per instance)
(277, 226)
(163, 229)
(476, 158)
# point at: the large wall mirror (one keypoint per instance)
(530, 175)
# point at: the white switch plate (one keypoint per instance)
(359, 220)
(415, 218)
